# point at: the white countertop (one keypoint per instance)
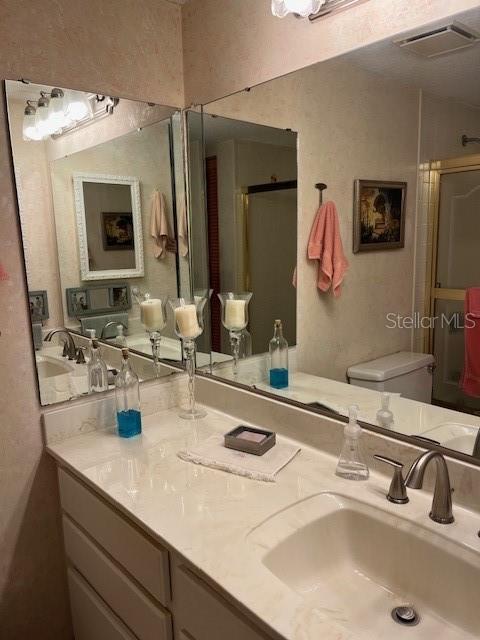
(207, 515)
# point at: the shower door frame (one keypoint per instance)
(432, 292)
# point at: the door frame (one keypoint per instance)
(436, 169)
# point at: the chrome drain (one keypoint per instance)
(405, 615)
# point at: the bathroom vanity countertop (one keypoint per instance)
(410, 417)
(206, 516)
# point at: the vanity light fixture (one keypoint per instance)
(60, 111)
(311, 9)
(303, 8)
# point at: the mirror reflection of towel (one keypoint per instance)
(159, 229)
(182, 231)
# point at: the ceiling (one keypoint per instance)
(453, 75)
(219, 129)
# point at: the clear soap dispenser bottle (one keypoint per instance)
(278, 358)
(384, 415)
(97, 370)
(127, 398)
(351, 464)
(120, 339)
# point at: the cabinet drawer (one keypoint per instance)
(146, 620)
(202, 614)
(146, 562)
(92, 619)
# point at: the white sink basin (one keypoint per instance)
(51, 367)
(454, 435)
(358, 562)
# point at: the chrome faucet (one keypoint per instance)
(111, 324)
(442, 494)
(70, 350)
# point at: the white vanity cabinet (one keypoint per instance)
(125, 586)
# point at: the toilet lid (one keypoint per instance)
(391, 366)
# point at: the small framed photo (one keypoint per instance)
(379, 215)
(118, 231)
(119, 296)
(38, 301)
(78, 301)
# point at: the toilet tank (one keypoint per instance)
(405, 372)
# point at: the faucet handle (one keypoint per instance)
(80, 355)
(65, 352)
(397, 492)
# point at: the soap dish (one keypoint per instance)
(250, 440)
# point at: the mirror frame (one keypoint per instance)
(79, 178)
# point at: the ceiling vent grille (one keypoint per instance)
(438, 42)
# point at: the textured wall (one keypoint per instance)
(233, 44)
(131, 48)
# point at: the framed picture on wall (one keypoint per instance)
(379, 215)
(117, 231)
(38, 302)
(119, 296)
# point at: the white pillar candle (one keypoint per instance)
(235, 314)
(151, 314)
(187, 322)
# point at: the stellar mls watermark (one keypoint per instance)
(451, 321)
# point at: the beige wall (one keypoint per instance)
(233, 44)
(351, 124)
(124, 47)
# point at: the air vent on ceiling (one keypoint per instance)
(439, 41)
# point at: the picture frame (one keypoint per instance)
(379, 215)
(78, 301)
(119, 296)
(81, 180)
(117, 231)
(98, 299)
(38, 303)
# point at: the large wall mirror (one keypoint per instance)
(378, 193)
(100, 191)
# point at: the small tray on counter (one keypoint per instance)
(250, 440)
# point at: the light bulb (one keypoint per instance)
(77, 106)
(41, 118)
(304, 8)
(29, 131)
(56, 115)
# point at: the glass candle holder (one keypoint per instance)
(153, 318)
(235, 320)
(188, 321)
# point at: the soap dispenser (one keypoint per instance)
(97, 370)
(351, 464)
(121, 340)
(384, 415)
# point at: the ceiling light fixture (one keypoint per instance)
(303, 8)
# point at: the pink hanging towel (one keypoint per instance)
(325, 245)
(470, 382)
(159, 227)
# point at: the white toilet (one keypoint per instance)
(405, 372)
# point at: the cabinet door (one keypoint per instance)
(146, 562)
(92, 619)
(202, 614)
(139, 612)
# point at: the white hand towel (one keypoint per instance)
(182, 232)
(212, 453)
(159, 229)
